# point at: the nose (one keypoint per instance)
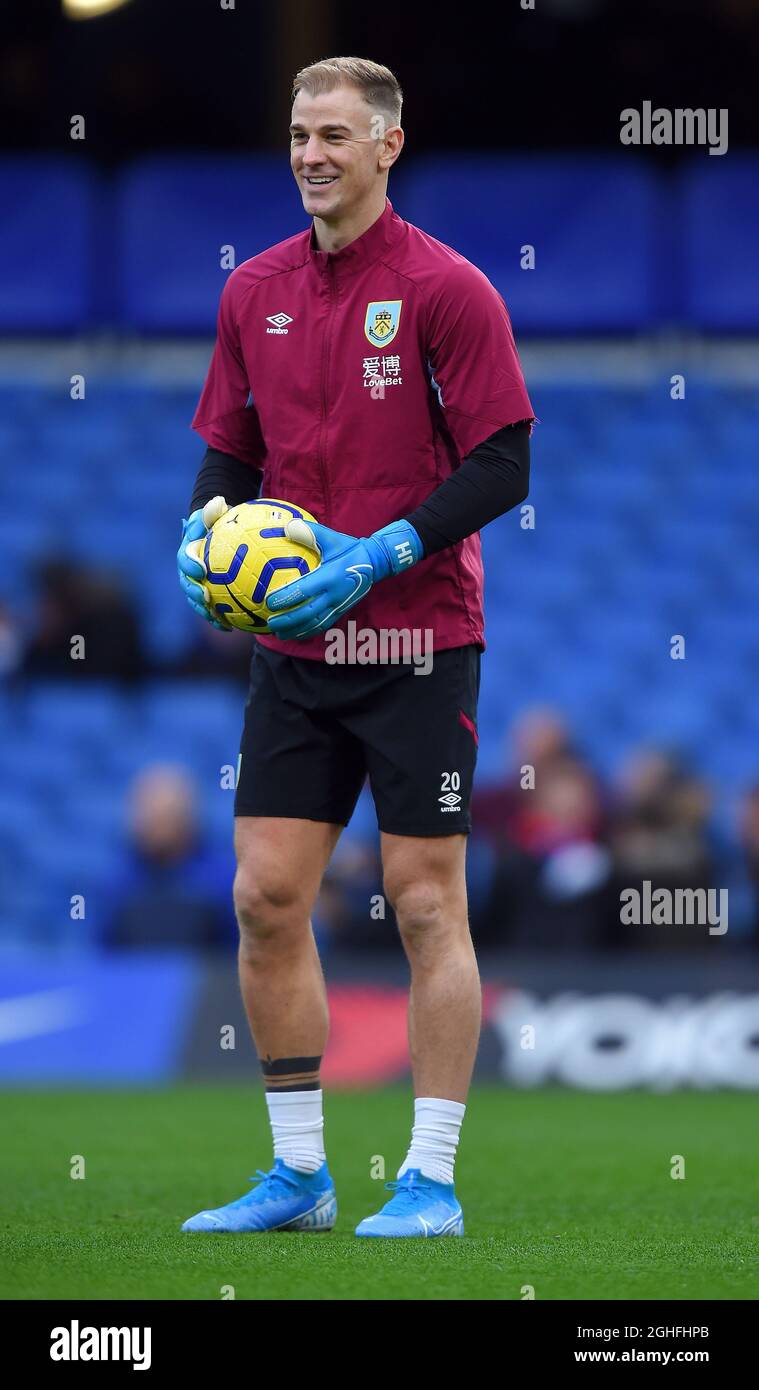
(312, 152)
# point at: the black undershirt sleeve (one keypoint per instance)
(490, 481)
(222, 475)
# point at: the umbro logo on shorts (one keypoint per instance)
(450, 801)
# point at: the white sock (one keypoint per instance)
(297, 1126)
(434, 1138)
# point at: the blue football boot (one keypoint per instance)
(420, 1207)
(283, 1200)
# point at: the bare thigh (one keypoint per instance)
(280, 864)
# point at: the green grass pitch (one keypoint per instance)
(567, 1192)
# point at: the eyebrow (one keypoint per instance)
(329, 125)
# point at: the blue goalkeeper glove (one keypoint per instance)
(192, 570)
(347, 571)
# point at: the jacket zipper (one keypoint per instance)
(325, 374)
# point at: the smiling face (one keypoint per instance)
(340, 153)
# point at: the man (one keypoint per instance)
(171, 887)
(370, 373)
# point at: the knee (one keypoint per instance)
(419, 908)
(267, 907)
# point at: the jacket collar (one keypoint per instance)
(366, 248)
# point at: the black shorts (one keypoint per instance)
(314, 731)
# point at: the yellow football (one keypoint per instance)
(247, 556)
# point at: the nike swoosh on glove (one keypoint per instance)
(192, 570)
(349, 566)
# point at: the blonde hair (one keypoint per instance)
(379, 87)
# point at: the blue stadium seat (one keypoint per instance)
(65, 714)
(174, 217)
(585, 216)
(47, 239)
(616, 247)
(720, 199)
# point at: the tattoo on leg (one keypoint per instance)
(291, 1073)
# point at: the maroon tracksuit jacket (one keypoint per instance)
(358, 380)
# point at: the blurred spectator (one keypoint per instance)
(661, 818)
(552, 881)
(749, 838)
(172, 890)
(85, 604)
(214, 653)
(11, 648)
(539, 737)
(660, 833)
